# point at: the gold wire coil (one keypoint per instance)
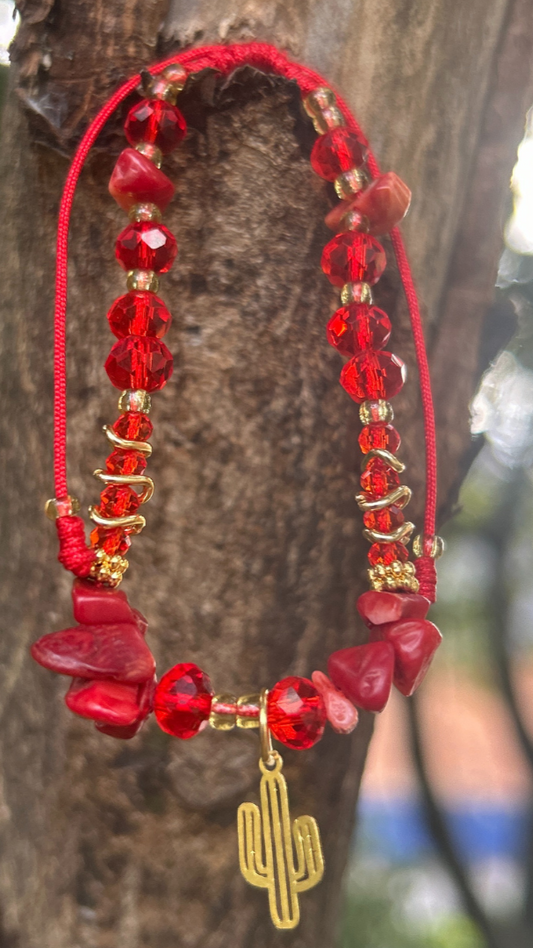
(400, 497)
(402, 534)
(144, 447)
(133, 480)
(385, 456)
(133, 523)
(267, 751)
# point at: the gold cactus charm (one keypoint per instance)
(272, 856)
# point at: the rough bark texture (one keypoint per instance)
(252, 555)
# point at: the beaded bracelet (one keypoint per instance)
(112, 668)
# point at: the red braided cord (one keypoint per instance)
(224, 59)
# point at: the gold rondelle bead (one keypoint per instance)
(327, 119)
(61, 507)
(396, 575)
(223, 715)
(108, 569)
(436, 549)
(142, 280)
(176, 76)
(379, 411)
(150, 151)
(318, 100)
(246, 704)
(144, 212)
(135, 399)
(159, 88)
(356, 293)
(349, 183)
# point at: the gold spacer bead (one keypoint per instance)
(349, 183)
(150, 151)
(434, 546)
(108, 569)
(328, 119)
(248, 711)
(61, 507)
(356, 293)
(142, 280)
(135, 399)
(176, 76)
(396, 575)
(318, 100)
(159, 88)
(144, 212)
(223, 715)
(380, 411)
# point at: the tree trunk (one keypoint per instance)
(253, 554)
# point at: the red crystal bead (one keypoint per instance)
(133, 426)
(364, 673)
(383, 554)
(373, 375)
(157, 122)
(381, 205)
(378, 608)
(296, 713)
(384, 520)
(182, 702)
(339, 150)
(126, 462)
(415, 642)
(146, 245)
(378, 478)
(353, 257)
(118, 500)
(113, 541)
(382, 437)
(139, 362)
(136, 180)
(358, 326)
(110, 650)
(139, 313)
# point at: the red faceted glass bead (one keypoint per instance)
(379, 478)
(139, 362)
(133, 426)
(136, 180)
(182, 702)
(339, 150)
(112, 541)
(296, 713)
(118, 500)
(358, 326)
(139, 313)
(383, 437)
(157, 122)
(126, 462)
(383, 554)
(384, 520)
(352, 257)
(373, 375)
(146, 245)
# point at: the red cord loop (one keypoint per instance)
(74, 555)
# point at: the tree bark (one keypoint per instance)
(252, 556)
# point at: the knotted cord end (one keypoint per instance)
(74, 554)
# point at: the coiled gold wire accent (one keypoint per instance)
(400, 497)
(134, 480)
(133, 523)
(144, 447)
(402, 534)
(385, 456)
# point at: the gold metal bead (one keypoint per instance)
(328, 119)
(223, 715)
(125, 445)
(379, 411)
(144, 212)
(385, 456)
(248, 711)
(176, 76)
(134, 480)
(318, 100)
(356, 293)
(397, 575)
(61, 507)
(402, 534)
(435, 546)
(400, 496)
(108, 569)
(150, 151)
(135, 399)
(349, 183)
(143, 280)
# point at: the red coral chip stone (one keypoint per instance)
(94, 604)
(136, 180)
(182, 702)
(379, 608)
(139, 362)
(296, 713)
(353, 257)
(364, 673)
(339, 150)
(381, 206)
(155, 121)
(415, 642)
(109, 702)
(110, 650)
